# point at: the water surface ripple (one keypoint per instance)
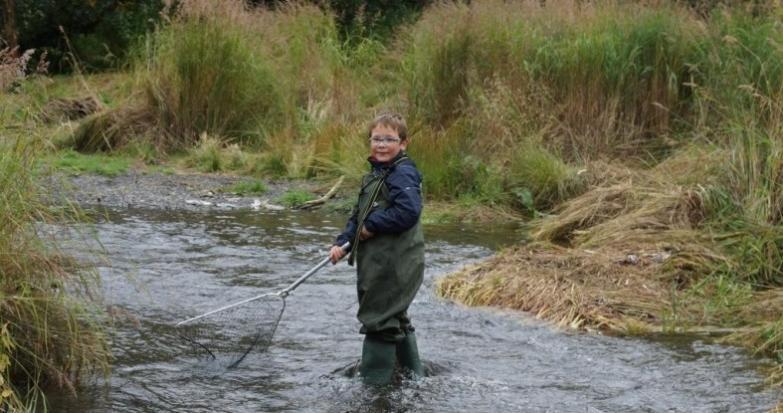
(160, 267)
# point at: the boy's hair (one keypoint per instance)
(391, 120)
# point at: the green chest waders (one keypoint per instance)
(390, 270)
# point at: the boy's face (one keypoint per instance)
(385, 143)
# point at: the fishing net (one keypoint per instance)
(226, 336)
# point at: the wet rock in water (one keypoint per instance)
(266, 205)
(198, 202)
(206, 194)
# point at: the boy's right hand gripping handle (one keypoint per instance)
(284, 293)
(345, 248)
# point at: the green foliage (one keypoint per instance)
(772, 340)
(204, 76)
(48, 334)
(437, 66)
(272, 165)
(249, 187)
(75, 162)
(295, 198)
(213, 155)
(754, 250)
(613, 77)
(374, 18)
(722, 297)
(101, 31)
(144, 150)
(540, 179)
(253, 77)
(741, 67)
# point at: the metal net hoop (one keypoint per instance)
(227, 336)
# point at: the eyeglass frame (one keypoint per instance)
(385, 139)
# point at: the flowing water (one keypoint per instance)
(160, 267)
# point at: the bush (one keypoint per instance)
(614, 76)
(249, 187)
(540, 179)
(101, 31)
(204, 76)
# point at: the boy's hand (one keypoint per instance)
(336, 254)
(364, 234)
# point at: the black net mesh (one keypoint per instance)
(226, 337)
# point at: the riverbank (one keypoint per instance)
(644, 251)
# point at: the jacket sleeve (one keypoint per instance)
(404, 186)
(349, 231)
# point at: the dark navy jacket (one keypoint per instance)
(404, 185)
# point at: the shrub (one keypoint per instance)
(204, 76)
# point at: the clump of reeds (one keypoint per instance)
(223, 69)
(707, 214)
(595, 289)
(610, 78)
(48, 332)
(113, 129)
(212, 155)
(204, 75)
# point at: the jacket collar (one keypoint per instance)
(381, 165)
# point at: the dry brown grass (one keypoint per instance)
(600, 289)
(613, 258)
(112, 129)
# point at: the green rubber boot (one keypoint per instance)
(408, 354)
(377, 365)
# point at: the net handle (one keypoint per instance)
(282, 293)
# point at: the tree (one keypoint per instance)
(10, 36)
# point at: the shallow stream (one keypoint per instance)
(160, 267)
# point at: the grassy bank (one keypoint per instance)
(49, 335)
(643, 141)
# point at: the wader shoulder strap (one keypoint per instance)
(366, 210)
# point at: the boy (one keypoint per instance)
(388, 247)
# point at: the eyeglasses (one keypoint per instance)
(385, 139)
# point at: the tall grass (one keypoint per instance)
(248, 75)
(611, 77)
(489, 87)
(204, 76)
(48, 335)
